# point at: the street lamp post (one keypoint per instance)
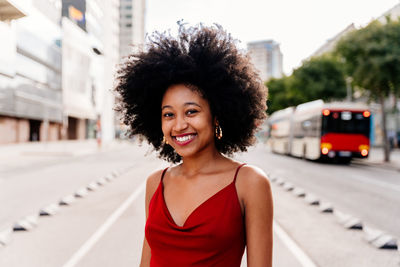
(348, 88)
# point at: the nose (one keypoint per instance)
(180, 124)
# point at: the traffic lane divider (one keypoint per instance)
(29, 222)
(375, 237)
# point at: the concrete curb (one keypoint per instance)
(288, 186)
(375, 237)
(49, 210)
(311, 199)
(109, 178)
(299, 192)
(273, 178)
(348, 221)
(101, 181)
(27, 223)
(380, 239)
(280, 181)
(5, 235)
(326, 207)
(30, 222)
(81, 192)
(67, 200)
(92, 186)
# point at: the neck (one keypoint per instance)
(200, 163)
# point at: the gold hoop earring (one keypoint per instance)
(218, 132)
(165, 140)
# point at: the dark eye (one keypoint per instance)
(191, 111)
(168, 114)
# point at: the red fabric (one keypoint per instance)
(346, 142)
(213, 234)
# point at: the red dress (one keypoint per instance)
(212, 235)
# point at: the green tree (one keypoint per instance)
(319, 78)
(278, 96)
(372, 58)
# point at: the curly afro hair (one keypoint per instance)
(205, 59)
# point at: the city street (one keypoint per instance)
(83, 82)
(105, 226)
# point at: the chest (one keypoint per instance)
(212, 234)
(217, 221)
(182, 200)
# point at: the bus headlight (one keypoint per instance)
(325, 147)
(364, 149)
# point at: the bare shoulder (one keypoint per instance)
(154, 177)
(153, 180)
(253, 185)
(253, 178)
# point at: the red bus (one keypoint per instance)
(318, 130)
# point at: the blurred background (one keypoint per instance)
(72, 182)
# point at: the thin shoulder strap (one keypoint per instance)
(162, 175)
(237, 170)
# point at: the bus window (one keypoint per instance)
(347, 122)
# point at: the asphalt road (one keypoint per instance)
(368, 192)
(365, 192)
(105, 228)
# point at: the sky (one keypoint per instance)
(299, 26)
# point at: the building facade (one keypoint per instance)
(132, 17)
(393, 13)
(58, 61)
(392, 103)
(111, 43)
(331, 43)
(79, 107)
(30, 72)
(267, 58)
(91, 34)
(83, 74)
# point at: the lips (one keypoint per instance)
(184, 139)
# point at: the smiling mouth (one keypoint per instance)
(183, 140)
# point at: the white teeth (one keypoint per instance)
(184, 138)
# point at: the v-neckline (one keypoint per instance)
(193, 211)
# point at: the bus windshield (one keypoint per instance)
(345, 122)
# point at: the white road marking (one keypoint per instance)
(304, 260)
(299, 254)
(103, 229)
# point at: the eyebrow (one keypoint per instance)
(186, 104)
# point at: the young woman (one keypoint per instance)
(197, 99)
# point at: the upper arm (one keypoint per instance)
(258, 203)
(151, 185)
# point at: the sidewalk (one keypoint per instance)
(61, 148)
(23, 154)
